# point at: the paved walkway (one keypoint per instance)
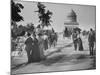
(61, 58)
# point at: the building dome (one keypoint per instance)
(72, 17)
(71, 14)
(71, 23)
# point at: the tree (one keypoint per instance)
(30, 27)
(15, 17)
(15, 10)
(43, 15)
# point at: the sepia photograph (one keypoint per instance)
(52, 37)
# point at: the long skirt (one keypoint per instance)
(80, 44)
(75, 44)
(46, 44)
(28, 50)
(35, 54)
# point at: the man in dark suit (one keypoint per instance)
(91, 40)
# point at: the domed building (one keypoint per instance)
(70, 23)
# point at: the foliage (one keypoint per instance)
(20, 30)
(15, 10)
(43, 15)
(30, 27)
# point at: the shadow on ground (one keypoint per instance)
(52, 60)
(59, 49)
(70, 60)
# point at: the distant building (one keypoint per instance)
(70, 23)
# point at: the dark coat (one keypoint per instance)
(28, 43)
(35, 51)
(29, 48)
(80, 44)
(91, 38)
(74, 36)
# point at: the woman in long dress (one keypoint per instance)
(29, 47)
(35, 51)
(80, 43)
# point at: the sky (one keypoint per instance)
(85, 14)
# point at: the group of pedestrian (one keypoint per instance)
(78, 44)
(36, 44)
(34, 48)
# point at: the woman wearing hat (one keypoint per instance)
(35, 51)
(29, 46)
